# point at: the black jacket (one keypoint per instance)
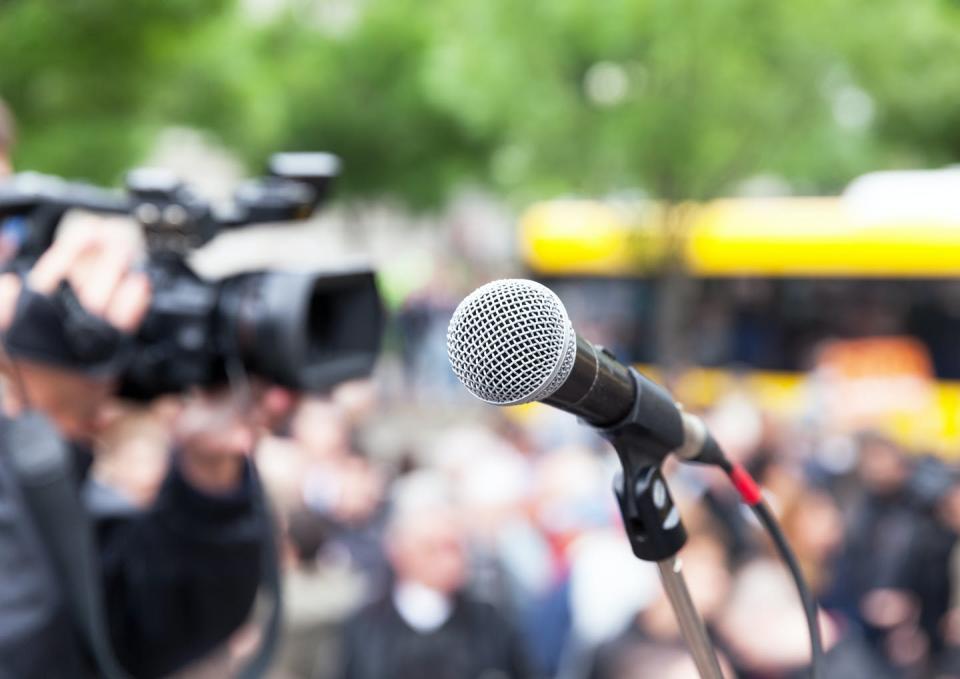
(178, 579)
(475, 643)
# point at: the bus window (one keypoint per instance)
(617, 313)
(777, 324)
(768, 323)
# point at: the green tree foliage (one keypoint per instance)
(680, 98)
(84, 75)
(361, 95)
(689, 96)
(905, 56)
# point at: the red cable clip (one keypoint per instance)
(745, 485)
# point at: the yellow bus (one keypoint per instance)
(848, 306)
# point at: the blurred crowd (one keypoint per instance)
(433, 537)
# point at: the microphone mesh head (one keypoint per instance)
(511, 341)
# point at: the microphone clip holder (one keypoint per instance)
(643, 439)
(650, 518)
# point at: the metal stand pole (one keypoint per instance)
(691, 625)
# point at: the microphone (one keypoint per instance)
(511, 342)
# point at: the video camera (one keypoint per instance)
(306, 331)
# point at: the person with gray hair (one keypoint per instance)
(426, 625)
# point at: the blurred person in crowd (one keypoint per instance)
(574, 511)
(340, 515)
(491, 479)
(179, 578)
(426, 625)
(928, 580)
(422, 323)
(497, 485)
(869, 586)
(949, 513)
(813, 525)
(339, 483)
(763, 629)
(328, 497)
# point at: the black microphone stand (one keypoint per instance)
(643, 439)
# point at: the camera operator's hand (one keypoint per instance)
(215, 431)
(97, 265)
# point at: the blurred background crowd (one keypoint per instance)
(414, 516)
(645, 160)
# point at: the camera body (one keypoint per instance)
(304, 330)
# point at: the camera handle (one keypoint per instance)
(652, 523)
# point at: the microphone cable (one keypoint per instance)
(752, 496)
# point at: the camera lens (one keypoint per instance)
(307, 331)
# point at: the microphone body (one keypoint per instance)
(598, 390)
(511, 342)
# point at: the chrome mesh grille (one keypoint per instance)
(511, 341)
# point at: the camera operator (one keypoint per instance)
(177, 579)
(85, 320)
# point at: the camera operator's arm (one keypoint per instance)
(184, 576)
